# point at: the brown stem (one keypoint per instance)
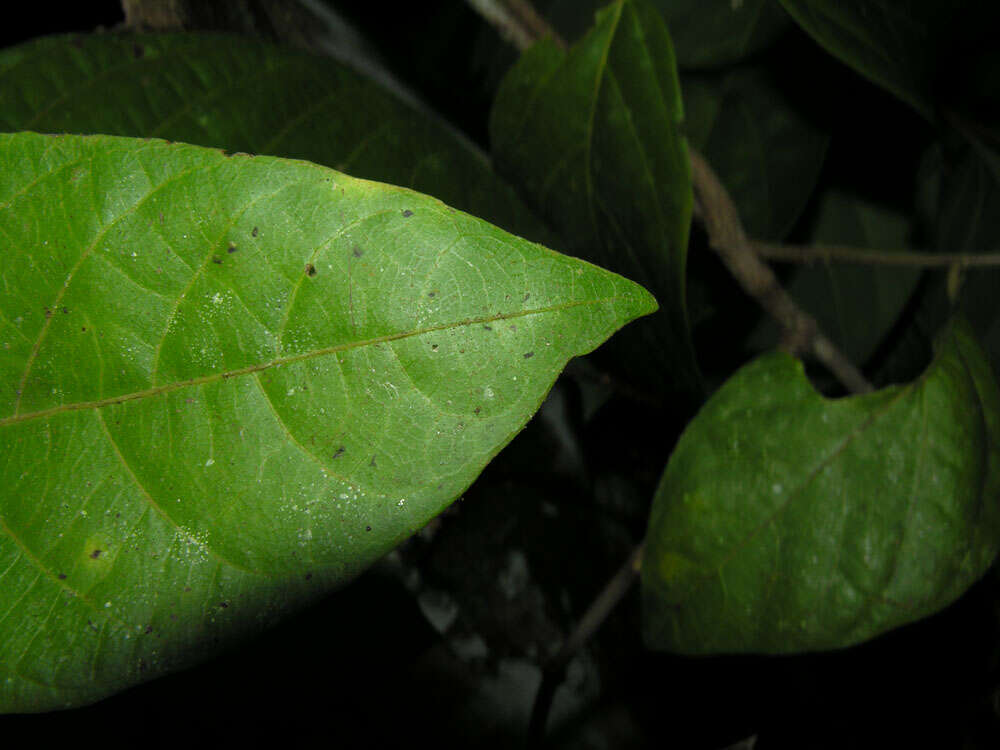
(842, 254)
(517, 21)
(555, 669)
(727, 237)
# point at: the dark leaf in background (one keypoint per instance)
(787, 522)
(592, 139)
(917, 49)
(856, 305)
(240, 94)
(767, 154)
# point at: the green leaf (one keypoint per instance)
(767, 153)
(229, 384)
(240, 94)
(908, 48)
(788, 522)
(705, 33)
(855, 304)
(591, 138)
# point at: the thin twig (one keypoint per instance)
(517, 21)
(555, 669)
(727, 237)
(844, 254)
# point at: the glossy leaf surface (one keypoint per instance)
(241, 94)
(228, 384)
(788, 522)
(592, 139)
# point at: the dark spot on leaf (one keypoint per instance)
(48, 313)
(372, 462)
(187, 588)
(357, 252)
(434, 347)
(161, 217)
(488, 328)
(62, 576)
(430, 294)
(148, 630)
(339, 452)
(529, 355)
(310, 269)
(368, 528)
(231, 249)
(407, 214)
(253, 233)
(476, 410)
(526, 295)
(84, 329)
(223, 605)
(309, 576)
(95, 554)
(65, 311)
(217, 261)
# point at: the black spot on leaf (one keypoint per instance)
(95, 554)
(407, 214)
(254, 232)
(231, 249)
(310, 269)
(339, 452)
(529, 355)
(357, 252)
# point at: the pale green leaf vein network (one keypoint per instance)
(151, 501)
(45, 572)
(212, 248)
(300, 278)
(295, 441)
(76, 267)
(219, 376)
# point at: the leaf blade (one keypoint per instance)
(233, 383)
(800, 523)
(591, 139)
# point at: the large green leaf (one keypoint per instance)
(767, 153)
(909, 48)
(855, 304)
(592, 139)
(789, 522)
(240, 94)
(231, 383)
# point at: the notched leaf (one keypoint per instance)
(788, 522)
